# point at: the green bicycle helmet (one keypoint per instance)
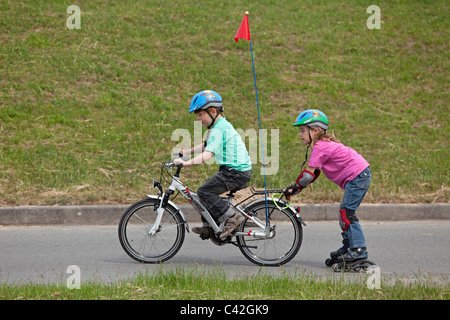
(312, 118)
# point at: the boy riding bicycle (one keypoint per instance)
(226, 146)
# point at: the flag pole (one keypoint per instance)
(247, 36)
(260, 135)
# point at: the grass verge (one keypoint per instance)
(191, 284)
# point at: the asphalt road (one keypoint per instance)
(410, 250)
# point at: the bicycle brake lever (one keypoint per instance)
(179, 155)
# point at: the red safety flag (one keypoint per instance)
(244, 30)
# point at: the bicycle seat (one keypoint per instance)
(233, 191)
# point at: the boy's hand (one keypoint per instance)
(178, 161)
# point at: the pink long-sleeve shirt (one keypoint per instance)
(338, 162)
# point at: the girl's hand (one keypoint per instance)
(291, 190)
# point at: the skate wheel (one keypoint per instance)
(329, 262)
(370, 262)
(337, 267)
(367, 265)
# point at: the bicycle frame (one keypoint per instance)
(192, 197)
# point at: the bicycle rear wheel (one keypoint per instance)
(277, 249)
(134, 228)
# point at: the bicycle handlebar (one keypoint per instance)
(178, 165)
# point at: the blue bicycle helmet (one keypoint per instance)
(206, 99)
(312, 118)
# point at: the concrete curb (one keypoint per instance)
(380, 212)
(111, 214)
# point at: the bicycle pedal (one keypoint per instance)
(204, 236)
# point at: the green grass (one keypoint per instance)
(191, 284)
(87, 115)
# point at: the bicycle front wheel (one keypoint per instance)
(134, 229)
(281, 246)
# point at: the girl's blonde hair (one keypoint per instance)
(320, 134)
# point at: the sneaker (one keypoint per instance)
(201, 230)
(231, 224)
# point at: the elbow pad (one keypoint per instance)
(306, 177)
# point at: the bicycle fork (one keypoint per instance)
(164, 201)
(155, 227)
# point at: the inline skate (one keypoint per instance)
(353, 260)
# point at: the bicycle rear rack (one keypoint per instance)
(255, 193)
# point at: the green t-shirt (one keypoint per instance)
(227, 146)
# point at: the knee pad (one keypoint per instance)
(346, 217)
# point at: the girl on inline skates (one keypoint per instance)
(343, 166)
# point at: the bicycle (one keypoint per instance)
(153, 230)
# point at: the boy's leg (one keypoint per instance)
(210, 191)
(236, 180)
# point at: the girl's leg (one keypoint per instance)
(355, 191)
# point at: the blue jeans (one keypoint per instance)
(355, 190)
